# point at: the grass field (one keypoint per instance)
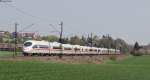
(7, 53)
(132, 68)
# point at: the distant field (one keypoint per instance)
(132, 68)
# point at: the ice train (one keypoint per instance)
(33, 47)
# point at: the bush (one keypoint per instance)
(113, 58)
(137, 53)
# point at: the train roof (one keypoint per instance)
(67, 45)
(56, 44)
(38, 42)
(76, 46)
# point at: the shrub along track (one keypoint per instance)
(73, 59)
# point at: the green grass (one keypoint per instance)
(132, 68)
(6, 53)
(134, 60)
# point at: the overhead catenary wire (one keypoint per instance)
(56, 30)
(22, 11)
(33, 16)
(27, 27)
(28, 14)
(5, 1)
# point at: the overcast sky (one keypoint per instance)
(126, 19)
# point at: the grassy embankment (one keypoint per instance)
(132, 68)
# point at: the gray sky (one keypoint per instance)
(126, 19)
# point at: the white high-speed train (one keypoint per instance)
(33, 47)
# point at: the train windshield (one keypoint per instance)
(27, 44)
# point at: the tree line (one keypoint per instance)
(105, 41)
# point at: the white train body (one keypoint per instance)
(43, 47)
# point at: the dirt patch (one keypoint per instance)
(97, 59)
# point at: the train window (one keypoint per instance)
(28, 44)
(91, 50)
(35, 46)
(86, 49)
(43, 46)
(56, 47)
(76, 49)
(67, 49)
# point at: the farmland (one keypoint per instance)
(131, 68)
(6, 53)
